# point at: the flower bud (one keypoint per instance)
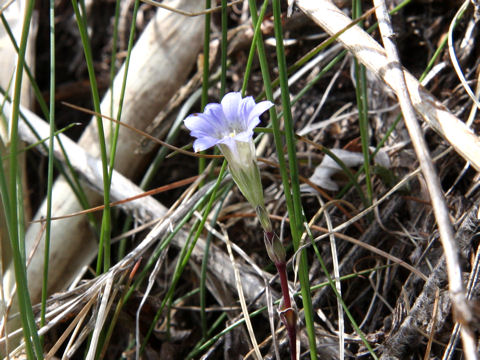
(275, 249)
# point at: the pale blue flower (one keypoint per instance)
(226, 123)
(229, 125)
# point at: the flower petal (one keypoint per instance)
(248, 103)
(197, 122)
(229, 143)
(245, 136)
(215, 114)
(258, 110)
(253, 123)
(203, 143)
(246, 107)
(211, 107)
(201, 125)
(231, 104)
(226, 123)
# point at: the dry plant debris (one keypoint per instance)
(385, 257)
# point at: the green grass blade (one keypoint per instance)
(104, 245)
(72, 181)
(361, 93)
(273, 115)
(296, 226)
(114, 138)
(253, 46)
(113, 58)
(116, 131)
(48, 224)
(32, 342)
(389, 131)
(434, 58)
(223, 59)
(202, 163)
(206, 55)
(5, 195)
(362, 104)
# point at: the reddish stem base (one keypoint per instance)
(287, 313)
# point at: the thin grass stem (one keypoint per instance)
(362, 104)
(273, 115)
(253, 45)
(224, 45)
(113, 58)
(104, 244)
(51, 160)
(114, 138)
(296, 223)
(32, 341)
(202, 163)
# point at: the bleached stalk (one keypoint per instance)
(440, 209)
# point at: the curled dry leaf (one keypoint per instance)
(323, 173)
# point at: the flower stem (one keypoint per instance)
(282, 272)
(287, 313)
(276, 252)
